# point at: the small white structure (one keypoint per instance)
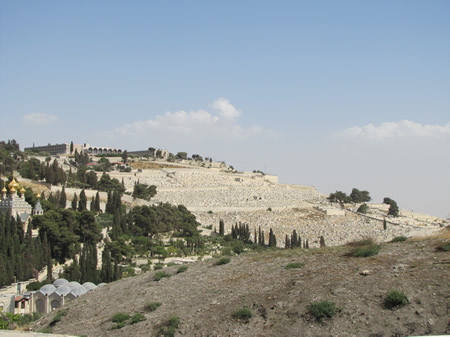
(330, 210)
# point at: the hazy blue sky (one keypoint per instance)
(334, 94)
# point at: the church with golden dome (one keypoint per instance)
(16, 205)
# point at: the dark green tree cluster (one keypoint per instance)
(393, 207)
(21, 256)
(272, 239)
(107, 184)
(356, 196)
(144, 191)
(363, 209)
(241, 232)
(162, 218)
(83, 178)
(81, 159)
(10, 156)
(35, 170)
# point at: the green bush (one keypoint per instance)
(322, 309)
(445, 247)
(170, 327)
(137, 318)
(243, 314)
(395, 299)
(58, 316)
(152, 306)
(399, 239)
(366, 251)
(118, 325)
(182, 269)
(223, 260)
(120, 317)
(294, 265)
(159, 275)
(157, 266)
(363, 209)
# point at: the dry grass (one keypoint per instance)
(443, 234)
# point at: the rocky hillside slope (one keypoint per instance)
(205, 296)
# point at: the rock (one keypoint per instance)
(364, 272)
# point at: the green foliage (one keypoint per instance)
(182, 269)
(445, 247)
(118, 326)
(395, 299)
(363, 209)
(366, 250)
(243, 314)
(158, 266)
(169, 328)
(137, 318)
(399, 239)
(152, 306)
(159, 275)
(393, 208)
(57, 317)
(322, 309)
(143, 191)
(339, 196)
(17, 319)
(181, 155)
(223, 260)
(294, 265)
(120, 317)
(107, 184)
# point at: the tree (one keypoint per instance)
(363, 209)
(97, 202)
(358, 196)
(322, 241)
(272, 239)
(181, 155)
(221, 228)
(74, 202)
(82, 203)
(63, 198)
(125, 156)
(339, 196)
(71, 147)
(143, 191)
(393, 208)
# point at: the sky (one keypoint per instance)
(332, 94)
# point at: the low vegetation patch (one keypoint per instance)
(120, 317)
(152, 306)
(395, 299)
(58, 316)
(322, 309)
(445, 247)
(399, 239)
(364, 248)
(243, 314)
(182, 269)
(223, 260)
(137, 318)
(294, 265)
(169, 328)
(159, 275)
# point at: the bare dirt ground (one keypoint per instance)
(205, 296)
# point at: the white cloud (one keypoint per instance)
(39, 118)
(401, 129)
(199, 122)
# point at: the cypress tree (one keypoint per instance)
(63, 198)
(322, 241)
(49, 264)
(97, 202)
(255, 237)
(74, 202)
(221, 228)
(92, 205)
(82, 203)
(287, 242)
(384, 224)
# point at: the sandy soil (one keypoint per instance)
(205, 296)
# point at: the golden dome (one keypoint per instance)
(38, 195)
(12, 189)
(4, 189)
(13, 184)
(22, 190)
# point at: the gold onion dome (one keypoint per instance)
(13, 184)
(22, 190)
(38, 195)
(4, 189)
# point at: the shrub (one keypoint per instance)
(294, 265)
(366, 251)
(118, 325)
(182, 269)
(157, 266)
(243, 314)
(120, 317)
(322, 309)
(364, 248)
(223, 260)
(399, 239)
(445, 247)
(394, 299)
(152, 306)
(159, 275)
(170, 264)
(58, 316)
(170, 327)
(363, 209)
(137, 318)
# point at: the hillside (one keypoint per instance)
(205, 295)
